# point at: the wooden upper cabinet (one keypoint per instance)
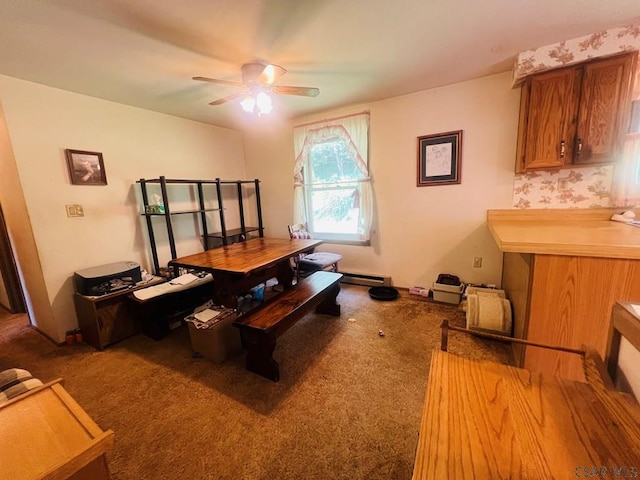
(604, 108)
(549, 128)
(575, 115)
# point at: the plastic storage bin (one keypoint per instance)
(447, 293)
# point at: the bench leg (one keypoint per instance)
(260, 356)
(330, 305)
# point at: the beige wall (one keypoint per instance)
(21, 236)
(419, 232)
(42, 122)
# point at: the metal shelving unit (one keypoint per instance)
(210, 239)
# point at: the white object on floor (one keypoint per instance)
(487, 309)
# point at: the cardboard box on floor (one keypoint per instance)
(218, 342)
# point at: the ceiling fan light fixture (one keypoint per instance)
(248, 103)
(257, 85)
(263, 102)
(259, 103)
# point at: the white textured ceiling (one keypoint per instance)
(144, 52)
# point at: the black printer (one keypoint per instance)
(108, 278)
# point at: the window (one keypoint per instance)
(626, 182)
(332, 184)
(332, 194)
(626, 174)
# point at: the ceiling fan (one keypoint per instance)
(257, 79)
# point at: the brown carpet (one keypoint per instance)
(348, 404)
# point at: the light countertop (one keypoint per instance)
(575, 232)
(501, 412)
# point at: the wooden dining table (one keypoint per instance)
(484, 420)
(238, 267)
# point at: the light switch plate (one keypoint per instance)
(75, 210)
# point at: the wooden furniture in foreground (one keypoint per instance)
(45, 434)
(563, 271)
(484, 420)
(239, 267)
(260, 327)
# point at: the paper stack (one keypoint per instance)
(207, 315)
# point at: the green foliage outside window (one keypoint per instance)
(334, 195)
(331, 162)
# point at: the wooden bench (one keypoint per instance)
(260, 327)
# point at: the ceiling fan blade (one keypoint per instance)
(217, 80)
(228, 98)
(301, 91)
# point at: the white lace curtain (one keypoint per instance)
(626, 182)
(626, 174)
(354, 130)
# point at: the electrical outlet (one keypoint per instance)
(75, 211)
(477, 262)
(563, 184)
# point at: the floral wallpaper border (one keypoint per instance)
(569, 52)
(585, 187)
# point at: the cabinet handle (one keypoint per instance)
(562, 148)
(579, 148)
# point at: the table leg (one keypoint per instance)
(285, 274)
(223, 292)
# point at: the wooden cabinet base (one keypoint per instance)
(110, 318)
(46, 435)
(567, 302)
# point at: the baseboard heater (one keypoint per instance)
(365, 279)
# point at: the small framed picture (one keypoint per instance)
(439, 159)
(86, 168)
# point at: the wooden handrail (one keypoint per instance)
(594, 368)
(446, 327)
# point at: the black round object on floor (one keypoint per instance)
(383, 293)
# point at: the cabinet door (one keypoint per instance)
(604, 109)
(116, 320)
(551, 118)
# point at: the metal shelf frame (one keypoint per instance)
(224, 235)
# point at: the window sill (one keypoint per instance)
(360, 243)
